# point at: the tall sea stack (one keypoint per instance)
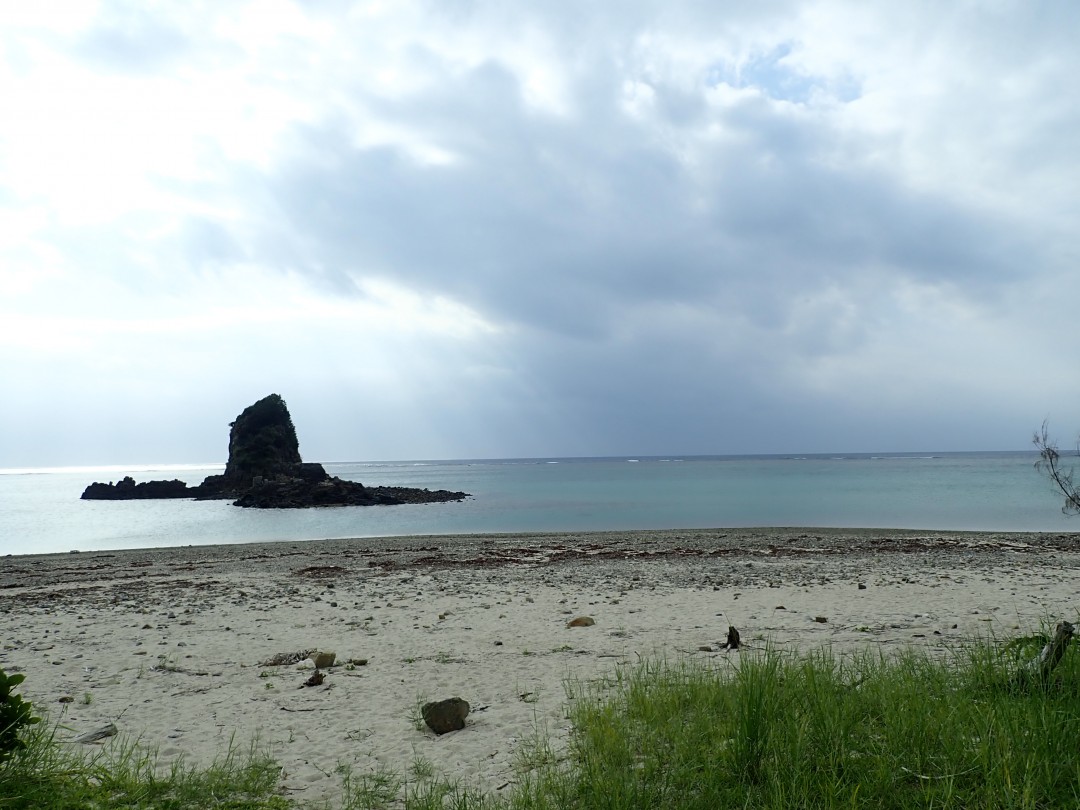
(262, 440)
(265, 471)
(262, 447)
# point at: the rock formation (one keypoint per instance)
(262, 445)
(127, 490)
(265, 470)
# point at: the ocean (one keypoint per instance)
(40, 509)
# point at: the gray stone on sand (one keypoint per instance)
(447, 715)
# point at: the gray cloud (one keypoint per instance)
(683, 228)
(539, 224)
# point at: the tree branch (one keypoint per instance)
(1049, 464)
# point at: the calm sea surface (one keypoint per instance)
(40, 510)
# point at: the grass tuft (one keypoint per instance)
(822, 731)
(50, 775)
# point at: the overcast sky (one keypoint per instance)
(488, 229)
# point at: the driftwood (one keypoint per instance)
(97, 734)
(732, 638)
(1038, 669)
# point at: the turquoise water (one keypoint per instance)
(40, 510)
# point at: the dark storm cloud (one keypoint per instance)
(561, 225)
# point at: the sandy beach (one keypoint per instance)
(172, 645)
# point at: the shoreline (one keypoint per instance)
(450, 548)
(167, 643)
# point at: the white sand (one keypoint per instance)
(166, 643)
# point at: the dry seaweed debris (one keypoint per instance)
(284, 659)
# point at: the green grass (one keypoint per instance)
(822, 731)
(757, 730)
(47, 775)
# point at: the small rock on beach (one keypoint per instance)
(443, 716)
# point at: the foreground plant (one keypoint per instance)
(957, 729)
(49, 775)
(16, 714)
(822, 731)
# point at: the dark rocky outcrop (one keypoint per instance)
(262, 445)
(127, 490)
(265, 471)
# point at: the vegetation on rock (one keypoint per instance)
(261, 441)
